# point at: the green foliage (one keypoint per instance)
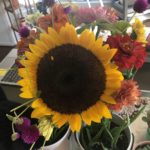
(108, 134)
(32, 18)
(120, 27)
(102, 136)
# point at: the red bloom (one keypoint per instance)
(130, 53)
(127, 95)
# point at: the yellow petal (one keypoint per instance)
(68, 34)
(37, 103)
(94, 114)
(41, 112)
(108, 99)
(26, 94)
(55, 36)
(75, 122)
(59, 119)
(36, 50)
(116, 85)
(42, 45)
(86, 117)
(103, 110)
(33, 58)
(87, 39)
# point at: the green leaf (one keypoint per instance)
(11, 118)
(82, 138)
(98, 31)
(135, 116)
(98, 135)
(122, 26)
(83, 27)
(116, 132)
(88, 134)
(144, 119)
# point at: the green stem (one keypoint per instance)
(15, 114)
(32, 146)
(52, 12)
(23, 111)
(26, 103)
(43, 144)
(13, 129)
(132, 17)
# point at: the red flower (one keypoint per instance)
(130, 53)
(127, 95)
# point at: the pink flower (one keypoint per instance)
(88, 15)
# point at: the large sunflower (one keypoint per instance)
(74, 76)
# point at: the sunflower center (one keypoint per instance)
(70, 78)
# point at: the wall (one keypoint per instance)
(6, 35)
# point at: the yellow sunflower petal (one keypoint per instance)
(37, 103)
(68, 34)
(40, 112)
(86, 117)
(42, 45)
(36, 50)
(87, 39)
(108, 99)
(59, 119)
(26, 94)
(62, 121)
(75, 122)
(55, 36)
(103, 110)
(94, 113)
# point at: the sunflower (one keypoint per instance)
(138, 28)
(73, 75)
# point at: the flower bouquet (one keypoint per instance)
(75, 74)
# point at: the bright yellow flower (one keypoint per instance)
(139, 29)
(74, 75)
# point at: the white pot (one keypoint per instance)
(62, 144)
(116, 119)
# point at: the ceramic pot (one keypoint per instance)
(117, 120)
(141, 144)
(62, 144)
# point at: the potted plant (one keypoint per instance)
(109, 134)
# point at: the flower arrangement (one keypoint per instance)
(74, 77)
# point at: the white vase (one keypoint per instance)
(62, 144)
(118, 120)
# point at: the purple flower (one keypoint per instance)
(30, 134)
(140, 6)
(24, 31)
(67, 9)
(26, 123)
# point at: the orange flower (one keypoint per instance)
(127, 95)
(59, 18)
